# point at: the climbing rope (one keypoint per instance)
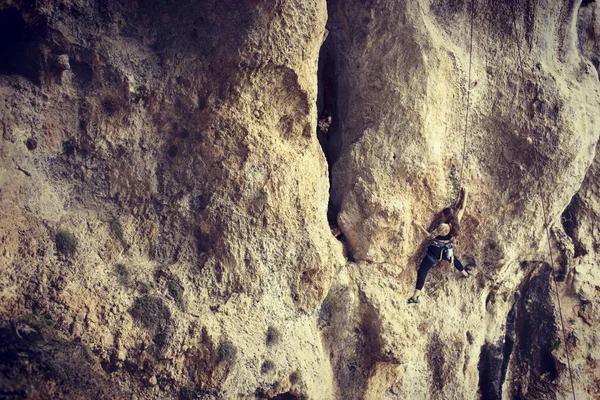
(464, 152)
(544, 210)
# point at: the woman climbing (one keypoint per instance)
(440, 247)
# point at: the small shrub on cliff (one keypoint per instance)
(39, 321)
(267, 366)
(354, 362)
(295, 377)
(66, 244)
(227, 352)
(172, 283)
(470, 337)
(335, 308)
(123, 273)
(150, 311)
(161, 340)
(188, 392)
(143, 287)
(273, 336)
(175, 290)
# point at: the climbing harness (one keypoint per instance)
(544, 210)
(446, 251)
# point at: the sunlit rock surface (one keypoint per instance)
(215, 199)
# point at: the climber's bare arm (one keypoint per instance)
(418, 225)
(442, 229)
(461, 204)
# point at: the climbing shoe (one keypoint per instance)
(469, 271)
(413, 301)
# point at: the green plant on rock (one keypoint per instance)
(226, 352)
(150, 311)
(172, 283)
(39, 321)
(66, 244)
(354, 362)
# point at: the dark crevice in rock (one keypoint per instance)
(490, 367)
(586, 32)
(19, 46)
(533, 367)
(566, 252)
(569, 223)
(596, 63)
(509, 341)
(494, 359)
(35, 358)
(328, 127)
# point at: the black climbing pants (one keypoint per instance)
(433, 256)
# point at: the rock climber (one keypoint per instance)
(440, 247)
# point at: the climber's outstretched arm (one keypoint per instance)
(418, 225)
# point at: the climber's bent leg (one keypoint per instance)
(424, 268)
(457, 264)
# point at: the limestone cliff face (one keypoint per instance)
(168, 229)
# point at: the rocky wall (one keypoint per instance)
(216, 199)
(164, 194)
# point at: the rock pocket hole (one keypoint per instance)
(172, 151)
(69, 147)
(83, 74)
(31, 144)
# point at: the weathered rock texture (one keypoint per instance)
(165, 200)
